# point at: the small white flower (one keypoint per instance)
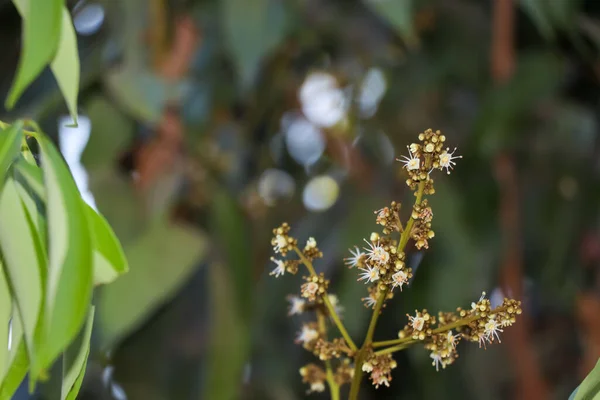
(353, 261)
(399, 278)
(492, 327)
(482, 338)
(412, 162)
(309, 289)
(370, 274)
(307, 335)
(311, 243)
(317, 386)
(417, 322)
(380, 379)
(452, 339)
(367, 367)
(446, 160)
(437, 361)
(474, 305)
(377, 254)
(296, 305)
(280, 243)
(280, 269)
(370, 301)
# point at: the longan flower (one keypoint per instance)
(437, 360)
(280, 243)
(452, 339)
(446, 160)
(309, 289)
(492, 327)
(314, 376)
(369, 274)
(412, 162)
(297, 305)
(398, 279)
(356, 259)
(280, 269)
(417, 322)
(307, 334)
(376, 253)
(371, 299)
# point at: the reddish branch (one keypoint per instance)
(530, 382)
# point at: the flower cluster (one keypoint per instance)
(381, 264)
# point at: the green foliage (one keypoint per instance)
(253, 28)
(399, 14)
(165, 244)
(590, 387)
(74, 361)
(48, 39)
(48, 282)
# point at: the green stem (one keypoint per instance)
(400, 344)
(358, 372)
(327, 302)
(394, 348)
(334, 388)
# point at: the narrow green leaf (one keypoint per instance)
(109, 259)
(41, 33)
(23, 265)
(5, 314)
(590, 387)
(31, 176)
(65, 65)
(75, 361)
(19, 364)
(69, 286)
(10, 144)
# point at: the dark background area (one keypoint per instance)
(214, 121)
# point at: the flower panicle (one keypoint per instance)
(380, 263)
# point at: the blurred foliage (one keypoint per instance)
(190, 102)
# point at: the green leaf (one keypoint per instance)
(41, 33)
(590, 387)
(69, 286)
(17, 362)
(253, 28)
(5, 314)
(75, 361)
(18, 366)
(65, 65)
(229, 342)
(31, 176)
(160, 262)
(538, 12)
(109, 259)
(10, 144)
(229, 223)
(23, 264)
(399, 14)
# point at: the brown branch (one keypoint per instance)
(530, 382)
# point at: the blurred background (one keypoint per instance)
(206, 123)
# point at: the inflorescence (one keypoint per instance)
(381, 264)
